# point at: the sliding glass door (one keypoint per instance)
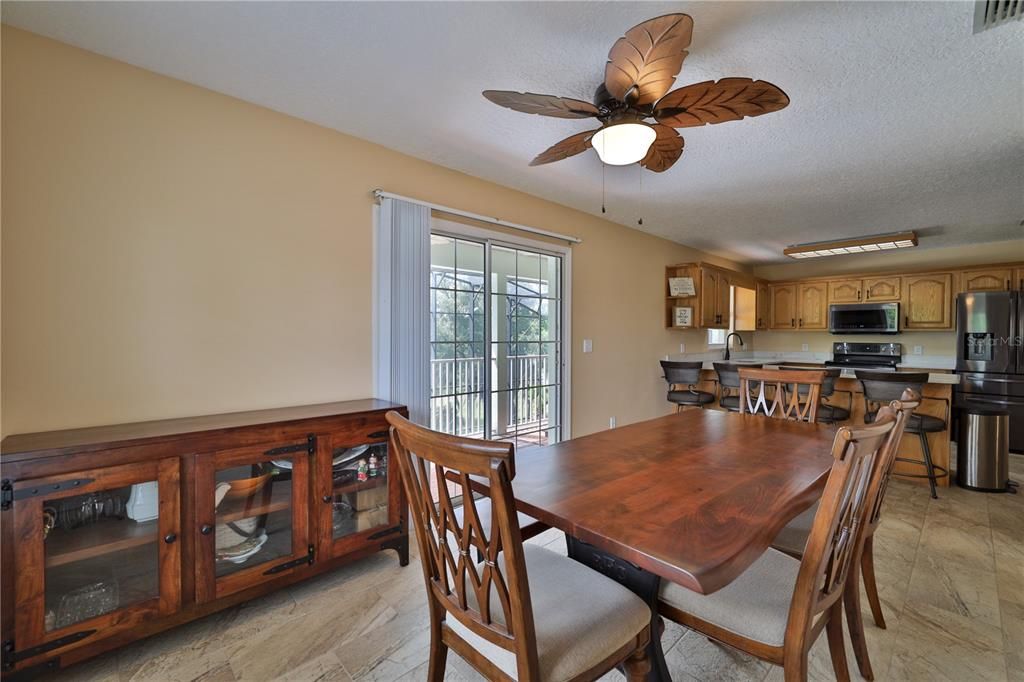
(495, 340)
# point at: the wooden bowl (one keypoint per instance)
(246, 487)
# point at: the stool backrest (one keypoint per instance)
(828, 386)
(881, 388)
(784, 403)
(729, 373)
(682, 373)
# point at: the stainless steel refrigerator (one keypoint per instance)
(990, 354)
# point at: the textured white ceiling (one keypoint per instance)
(901, 118)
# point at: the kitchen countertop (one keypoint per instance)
(933, 377)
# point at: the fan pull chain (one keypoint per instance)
(602, 188)
(640, 203)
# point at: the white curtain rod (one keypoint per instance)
(379, 194)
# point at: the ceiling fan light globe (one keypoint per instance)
(624, 143)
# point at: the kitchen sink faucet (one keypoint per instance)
(727, 343)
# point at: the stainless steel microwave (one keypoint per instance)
(864, 318)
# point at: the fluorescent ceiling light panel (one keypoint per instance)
(880, 242)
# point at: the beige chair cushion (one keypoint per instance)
(793, 538)
(581, 617)
(755, 605)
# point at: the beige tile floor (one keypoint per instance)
(951, 577)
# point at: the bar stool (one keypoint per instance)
(880, 388)
(686, 374)
(729, 380)
(829, 414)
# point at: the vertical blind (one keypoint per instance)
(402, 310)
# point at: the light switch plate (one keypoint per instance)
(588, 345)
(682, 348)
(918, 350)
(804, 347)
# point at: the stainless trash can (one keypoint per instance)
(983, 449)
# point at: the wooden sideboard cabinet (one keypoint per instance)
(114, 533)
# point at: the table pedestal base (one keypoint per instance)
(642, 583)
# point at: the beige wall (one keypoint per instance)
(932, 343)
(171, 251)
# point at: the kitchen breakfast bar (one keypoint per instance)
(937, 402)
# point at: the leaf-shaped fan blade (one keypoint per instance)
(543, 105)
(729, 99)
(570, 146)
(665, 150)
(643, 64)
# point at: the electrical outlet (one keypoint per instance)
(918, 350)
(588, 346)
(611, 422)
(804, 347)
(682, 348)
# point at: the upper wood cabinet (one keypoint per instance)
(844, 291)
(714, 298)
(882, 289)
(763, 305)
(929, 301)
(812, 305)
(1001, 279)
(1018, 279)
(784, 306)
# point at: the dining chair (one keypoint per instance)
(682, 378)
(729, 381)
(882, 387)
(785, 401)
(777, 608)
(523, 613)
(793, 539)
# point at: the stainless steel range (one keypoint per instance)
(879, 357)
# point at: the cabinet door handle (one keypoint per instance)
(170, 537)
(801, 322)
(327, 499)
(206, 529)
(906, 320)
(792, 322)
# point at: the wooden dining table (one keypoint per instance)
(694, 497)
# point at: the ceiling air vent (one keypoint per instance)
(992, 13)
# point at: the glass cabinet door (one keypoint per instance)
(253, 516)
(99, 551)
(356, 494)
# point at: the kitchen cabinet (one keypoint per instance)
(714, 298)
(812, 305)
(999, 279)
(845, 291)
(928, 302)
(1018, 279)
(763, 305)
(114, 533)
(882, 289)
(784, 306)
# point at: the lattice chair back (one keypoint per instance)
(784, 402)
(908, 402)
(836, 534)
(492, 598)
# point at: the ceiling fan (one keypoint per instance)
(642, 66)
